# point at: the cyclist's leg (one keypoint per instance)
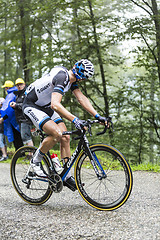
(42, 120)
(65, 150)
(65, 140)
(54, 136)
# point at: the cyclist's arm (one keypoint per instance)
(84, 102)
(58, 107)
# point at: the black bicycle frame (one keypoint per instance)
(83, 143)
(70, 162)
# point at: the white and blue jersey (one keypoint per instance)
(41, 90)
(37, 102)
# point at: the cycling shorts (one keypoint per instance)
(40, 115)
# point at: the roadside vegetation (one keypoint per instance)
(120, 37)
(135, 167)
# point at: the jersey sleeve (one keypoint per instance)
(59, 82)
(74, 86)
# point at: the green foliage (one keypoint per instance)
(37, 35)
(146, 167)
(135, 167)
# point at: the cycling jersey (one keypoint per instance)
(57, 80)
(36, 105)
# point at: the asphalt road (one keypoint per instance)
(67, 216)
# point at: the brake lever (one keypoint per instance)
(109, 120)
(104, 131)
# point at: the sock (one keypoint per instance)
(38, 156)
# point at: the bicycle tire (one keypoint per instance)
(107, 193)
(34, 191)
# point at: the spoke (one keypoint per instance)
(111, 188)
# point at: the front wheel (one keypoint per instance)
(30, 188)
(106, 182)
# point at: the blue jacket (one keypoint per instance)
(9, 111)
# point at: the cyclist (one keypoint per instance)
(43, 106)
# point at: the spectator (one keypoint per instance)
(24, 123)
(3, 145)
(11, 127)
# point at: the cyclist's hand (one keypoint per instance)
(102, 120)
(79, 124)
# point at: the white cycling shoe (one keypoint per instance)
(38, 169)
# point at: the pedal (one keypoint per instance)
(27, 182)
(31, 174)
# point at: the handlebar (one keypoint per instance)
(80, 133)
(88, 124)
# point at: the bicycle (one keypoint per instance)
(102, 174)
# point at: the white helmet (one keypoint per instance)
(83, 69)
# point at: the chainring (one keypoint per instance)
(56, 183)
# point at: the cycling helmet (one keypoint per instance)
(83, 69)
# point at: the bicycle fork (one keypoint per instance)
(94, 161)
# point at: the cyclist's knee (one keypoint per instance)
(56, 135)
(52, 130)
(65, 139)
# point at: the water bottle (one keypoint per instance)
(56, 162)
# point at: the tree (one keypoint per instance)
(154, 14)
(38, 35)
(23, 26)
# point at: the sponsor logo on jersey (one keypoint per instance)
(43, 88)
(33, 115)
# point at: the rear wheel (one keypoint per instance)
(106, 185)
(30, 188)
